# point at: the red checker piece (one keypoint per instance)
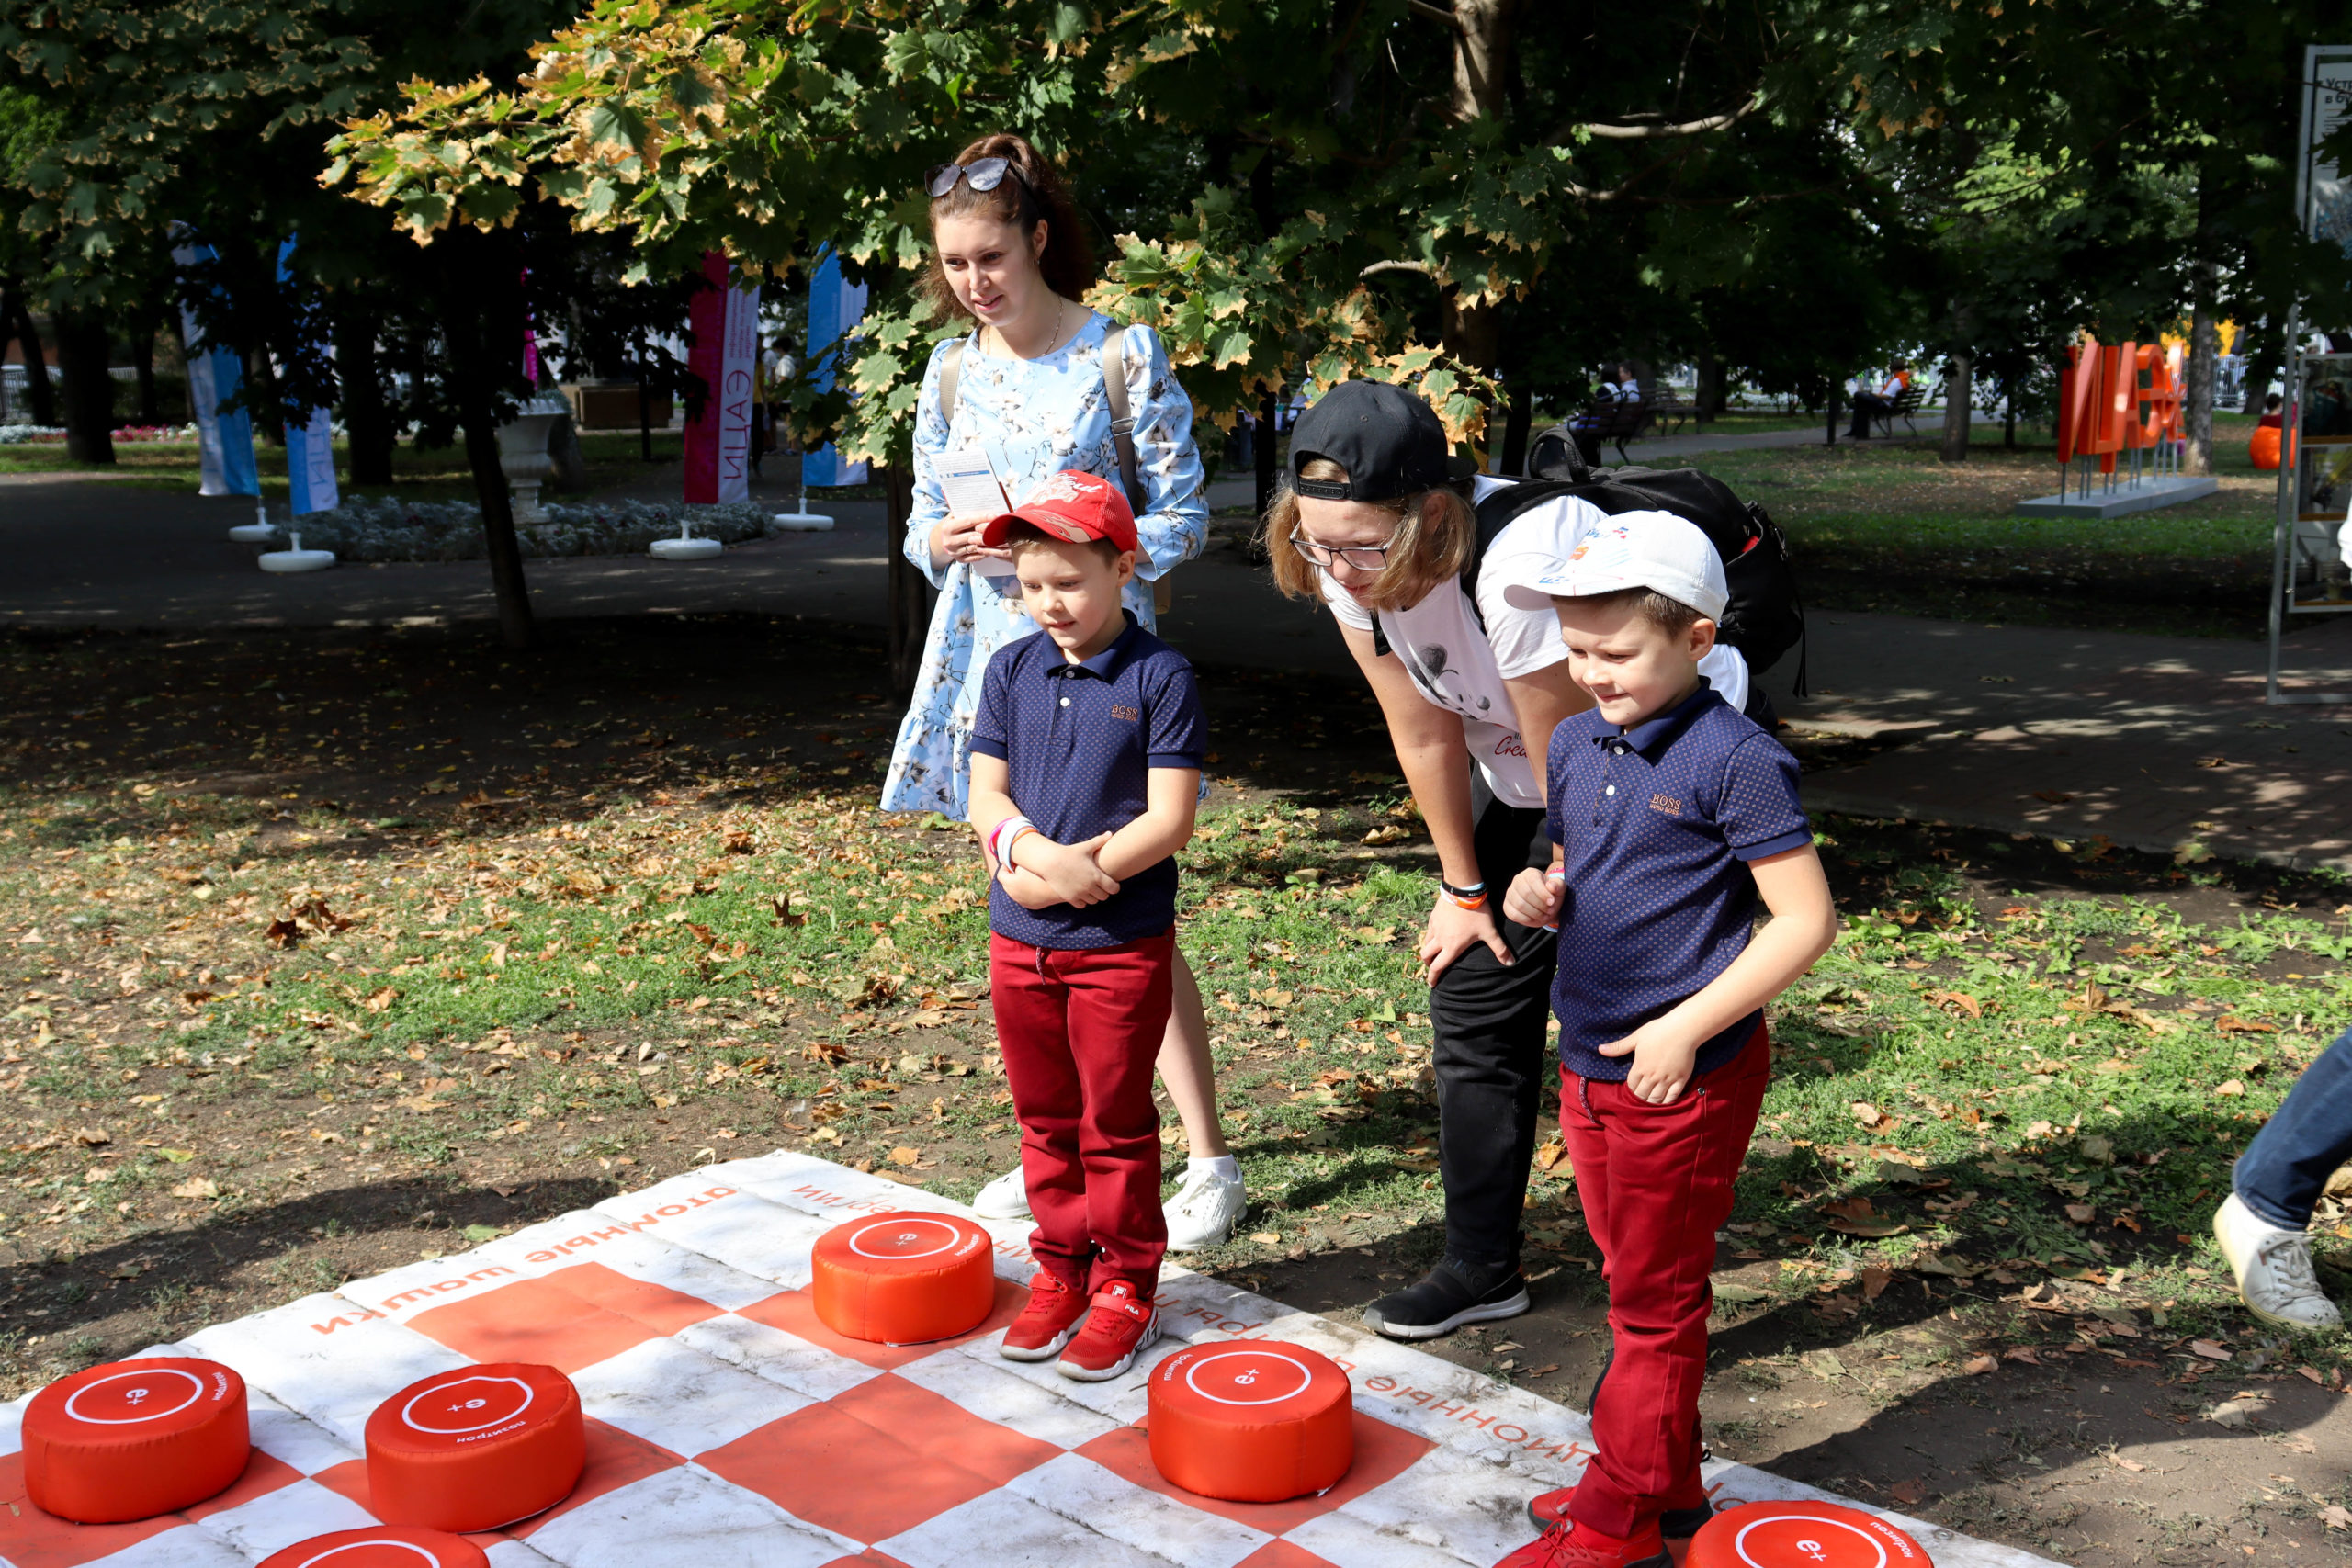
(380, 1546)
(132, 1439)
(1801, 1535)
(477, 1448)
(1250, 1422)
(903, 1278)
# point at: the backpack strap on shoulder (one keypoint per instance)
(951, 371)
(1123, 444)
(1123, 421)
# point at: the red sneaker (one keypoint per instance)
(1046, 1324)
(1572, 1545)
(1120, 1325)
(1550, 1508)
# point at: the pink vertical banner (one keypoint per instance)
(726, 324)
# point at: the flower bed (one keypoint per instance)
(371, 528)
(23, 435)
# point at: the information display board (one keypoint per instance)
(2307, 570)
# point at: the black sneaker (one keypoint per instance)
(1444, 1303)
(1675, 1524)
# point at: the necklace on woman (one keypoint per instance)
(1060, 334)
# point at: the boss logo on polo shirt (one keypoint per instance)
(1133, 715)
(1665, 806)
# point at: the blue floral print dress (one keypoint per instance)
(1035, 418)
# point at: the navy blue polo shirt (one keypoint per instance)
(1654, 824)
(1080, 741)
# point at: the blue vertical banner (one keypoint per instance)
(835, 306)
(309, 446)
(224, 441)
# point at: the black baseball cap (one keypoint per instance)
(1387, 438)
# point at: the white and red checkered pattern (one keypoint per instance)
(727, 1427)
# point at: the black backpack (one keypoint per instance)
(1766, 616)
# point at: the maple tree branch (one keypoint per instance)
(1421, 266)
(1686, 128)
(1437, 14)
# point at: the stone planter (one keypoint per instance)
(523, 453)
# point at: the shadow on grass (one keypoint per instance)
(164, 1270)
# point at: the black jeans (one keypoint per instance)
(1868, 406)
(1491, 1054)
(2285, 1169)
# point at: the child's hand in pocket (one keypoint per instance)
(1663, 1060)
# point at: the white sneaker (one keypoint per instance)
(1006, 1198)
(1204, 1209)
(2274, 1269)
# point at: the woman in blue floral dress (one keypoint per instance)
(1009, 256)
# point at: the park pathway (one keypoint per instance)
(2158, 743)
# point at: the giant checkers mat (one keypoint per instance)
(729, 1429)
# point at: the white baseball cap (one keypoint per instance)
(1634, 549)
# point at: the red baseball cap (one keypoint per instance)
(1072, 505)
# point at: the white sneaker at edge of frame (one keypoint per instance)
(1204, 1209)
(1006, 1198)
(2273, 1265)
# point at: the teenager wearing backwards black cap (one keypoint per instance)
(1378, 524)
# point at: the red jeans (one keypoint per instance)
(1080, 1029)
(1656, 1181)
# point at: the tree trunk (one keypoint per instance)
(2197, 399)
(1710, 397)
(366, 421)
(18, 322)
(1515, 429)
(911, 595)
(143, 360)
(81, 347)
(1473, 333)
(1483, 62)
(1262, 448)
(2261, 364)
(1833, 415)
(2196, 396)
(261, 394)
(644, 402)
(479, 371)
(2009, 412)
(1960, 405)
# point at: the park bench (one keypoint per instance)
(1665, 405)
(1904, 404)
(1614, 423)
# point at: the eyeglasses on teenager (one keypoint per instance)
(982, 175)
(1363, 557)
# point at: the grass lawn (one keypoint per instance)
(1890, 527)
(312, 976)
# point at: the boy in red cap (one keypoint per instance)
(1086, 768)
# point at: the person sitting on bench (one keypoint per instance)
(1869, 406)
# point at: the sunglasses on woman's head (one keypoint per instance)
(981, 174)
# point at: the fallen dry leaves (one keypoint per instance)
(1956, 1002)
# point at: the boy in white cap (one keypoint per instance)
(1670, 813)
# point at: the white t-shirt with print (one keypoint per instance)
(1461, 668)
